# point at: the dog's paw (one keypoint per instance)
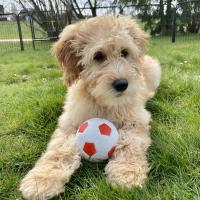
(125, 175)
(36, 186)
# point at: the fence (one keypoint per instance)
(37, 30)
(25, 30)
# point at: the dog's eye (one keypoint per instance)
(124, 53)
(99, 56)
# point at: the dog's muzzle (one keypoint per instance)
(120, 85)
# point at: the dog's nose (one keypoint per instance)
(120, 85)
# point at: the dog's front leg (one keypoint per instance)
(54, 168)
(129, 166)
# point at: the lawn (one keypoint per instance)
(31, 99)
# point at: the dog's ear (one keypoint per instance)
(140, 37)
(66, 54)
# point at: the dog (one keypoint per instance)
(108, 76)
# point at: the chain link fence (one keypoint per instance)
(35, 30)
(9, 33)
(187, 21)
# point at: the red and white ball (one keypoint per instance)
(97, 139)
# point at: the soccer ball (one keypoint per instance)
(97, 139)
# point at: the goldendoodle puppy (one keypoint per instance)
(108, 76)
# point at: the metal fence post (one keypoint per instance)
(32, 31)
(20, 32)
(69, 16)
(121, 10)
(174, 24)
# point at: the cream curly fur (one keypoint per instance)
(90, 94)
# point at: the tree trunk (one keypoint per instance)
(162, 30)
(168, 16)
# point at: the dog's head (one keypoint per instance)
(106, 53)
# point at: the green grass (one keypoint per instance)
(29, 111)
(7, 47)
